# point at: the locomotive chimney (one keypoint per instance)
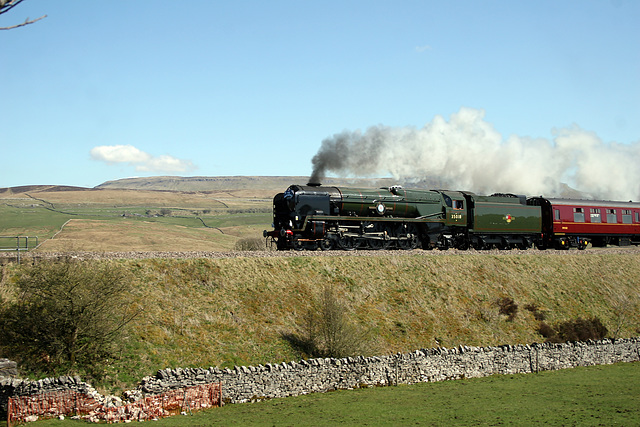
(314, 184)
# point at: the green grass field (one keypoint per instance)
(131, 220)
(591, 396)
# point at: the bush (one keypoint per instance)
(508, 307)
(535, 310)
(250, 244)
(574, 330)
(67, 316)
(326, 331)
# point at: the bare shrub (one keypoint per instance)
(508, 307)
(325, 329)
(579, 329)
(250, 244)
(546, 331)
(624, 307)
(538, 314)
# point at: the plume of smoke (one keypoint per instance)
(467, 153)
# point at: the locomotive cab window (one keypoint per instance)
(578, 215)
(612, 218)
(595, 215)
(458, 204)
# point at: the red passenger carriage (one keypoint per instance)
(576, 223)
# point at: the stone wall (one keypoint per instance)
(10, 387)
(250, 383)
(244, 384)
(8, 368)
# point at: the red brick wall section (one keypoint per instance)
(67, 403)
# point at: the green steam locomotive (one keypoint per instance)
(312, 216)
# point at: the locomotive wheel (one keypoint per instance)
(298, 245)
(409, 243)
(326, 244)
(478, 244)
(462, 243)
(349, 243)
(383, 243)
(408, 237)
(377, 244)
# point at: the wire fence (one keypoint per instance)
(72, 403)
(18, 244)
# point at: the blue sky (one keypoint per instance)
(102, 90)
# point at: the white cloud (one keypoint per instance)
(119, 154)
(142, 161)
(166, 164)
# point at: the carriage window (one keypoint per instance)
(578, 215)
(458, 204)
(595, 215)
(611, 216)
(637, 216)
(626, 216)
(556, 214)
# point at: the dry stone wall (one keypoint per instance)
(250, 383)
(8, 368)
(10, 387)
(244, 384)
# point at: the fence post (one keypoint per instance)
(9, 413)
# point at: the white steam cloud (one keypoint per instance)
(143, 162)
(467, 153)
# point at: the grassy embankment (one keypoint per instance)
(226, 312)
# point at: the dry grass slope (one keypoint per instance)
(226, 312)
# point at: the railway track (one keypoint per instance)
(81, 255)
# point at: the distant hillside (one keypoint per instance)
(273, 184)
(279, 183)
(39, 188)
(217, 183)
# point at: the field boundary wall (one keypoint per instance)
(252, 383)
(245, 384)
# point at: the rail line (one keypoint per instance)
(85, 255)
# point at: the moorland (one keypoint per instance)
(201, 311)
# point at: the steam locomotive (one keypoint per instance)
(308, 217)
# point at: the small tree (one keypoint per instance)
(67, 315)
(325, 329)
(7, 5)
